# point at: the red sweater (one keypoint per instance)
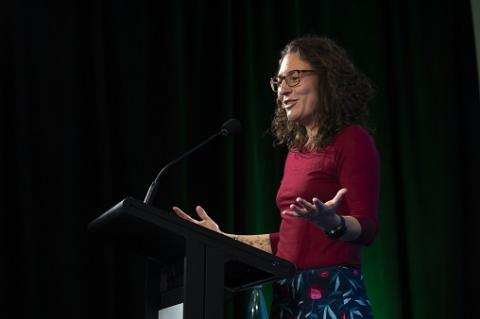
(350, 161)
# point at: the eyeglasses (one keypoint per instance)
(292, 79)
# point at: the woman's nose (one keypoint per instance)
(283, 88)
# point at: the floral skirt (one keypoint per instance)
(336, 292)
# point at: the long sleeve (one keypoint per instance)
(358, 171)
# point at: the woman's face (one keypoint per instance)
(300, 101)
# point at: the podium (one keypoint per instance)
(186, 262)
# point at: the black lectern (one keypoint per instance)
(186, 263)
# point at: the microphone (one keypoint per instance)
(230, 127)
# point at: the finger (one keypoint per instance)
(307, 205)
(338, 197)
(290, 213)
(182, 214)
(318, 204)
(202, 213)
(299, 211)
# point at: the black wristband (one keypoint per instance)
(338, 231)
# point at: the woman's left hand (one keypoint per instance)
(321, 214)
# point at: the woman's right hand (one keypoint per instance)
(205, 220)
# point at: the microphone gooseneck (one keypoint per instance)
(230, 127)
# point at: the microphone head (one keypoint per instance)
(230, 127)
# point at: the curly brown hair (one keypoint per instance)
(343, 94)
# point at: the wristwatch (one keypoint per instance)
(338, 231)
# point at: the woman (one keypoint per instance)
(329, 191)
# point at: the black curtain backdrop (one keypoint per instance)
(96, 96)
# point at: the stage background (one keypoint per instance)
(96, 96)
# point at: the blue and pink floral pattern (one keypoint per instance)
(327, 293)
